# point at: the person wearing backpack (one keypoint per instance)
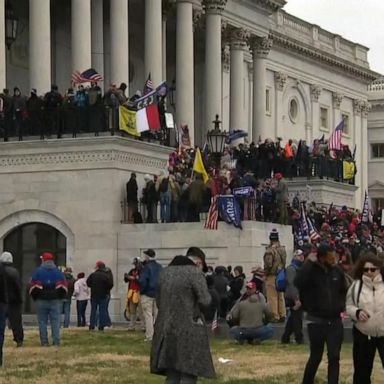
(275, 258)
(322, 289)
(365, 305)
(294, 323)
(162, 187)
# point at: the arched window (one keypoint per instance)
(26, 243)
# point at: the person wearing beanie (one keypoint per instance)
(275, 257)
(15, 297)
(148, 283)
(100, 282)
(294, 323)
(3, 306)
(48, 288)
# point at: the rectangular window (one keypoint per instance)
(377, 204)
(377, 151)
(345, 117)
(324, 118)
(267, 101)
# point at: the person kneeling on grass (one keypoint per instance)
(252, 315)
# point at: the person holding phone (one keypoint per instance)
(365, 305)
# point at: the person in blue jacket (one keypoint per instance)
(148, 283)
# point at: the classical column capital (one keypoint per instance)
(357, 105)
(280, 80)
(196, 17)
(238, 37)
(260, 46)
(365, 108)
(315, 90)
(226, 57)
(167, 6)
(337, 98)
(214, 6)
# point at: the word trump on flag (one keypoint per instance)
(147, 116)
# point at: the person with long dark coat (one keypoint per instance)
(180, 346)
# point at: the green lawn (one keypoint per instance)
(119, 356)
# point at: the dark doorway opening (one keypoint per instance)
(26, 243)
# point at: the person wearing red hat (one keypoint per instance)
(250, 315)
(48, 287)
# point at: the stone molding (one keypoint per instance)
(290, 44)
(365, 108)
(214, 7)
(337, 98)
(280, 80)
(270, 5)
(197, 17)
(226, 57)
(315, 90)
(237, 37)
(357, 105)
(260, 46)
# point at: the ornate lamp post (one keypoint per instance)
(216, 141)
(11, 24)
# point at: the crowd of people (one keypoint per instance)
(84, 109)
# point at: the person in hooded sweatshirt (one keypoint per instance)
(15, 300)
(81, 294)
(48, 287)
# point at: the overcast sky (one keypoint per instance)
(360, 21)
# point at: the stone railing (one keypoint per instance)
(300, 30)
(377, 85)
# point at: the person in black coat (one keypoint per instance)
(3, 308)
(132, 197)
(322, 290)
(15, 300)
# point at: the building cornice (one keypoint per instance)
(298, 47)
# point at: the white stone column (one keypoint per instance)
(3, 59)
(238, 44)
(357, 134)
(184, 67)
(260, 47)
(365, 108)
(119, 42)
(213, 11)
(280, 80)
(97, 36)
(81, 35)
(153, 40)
(40, 45)
(337, 98)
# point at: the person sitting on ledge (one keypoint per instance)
(252, 316)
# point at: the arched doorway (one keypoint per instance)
(26, 243)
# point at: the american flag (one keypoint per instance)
(211, 220)
(214, 324)
(313, 234)
(334, 142)
(303, 220)
(90, 75)
(148, 86)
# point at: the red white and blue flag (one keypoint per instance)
(90, 75)
(147, 115)
(213, 215)
(334, 142)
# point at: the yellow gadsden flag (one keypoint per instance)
(127, 121)
(198, 166)
(348, 170)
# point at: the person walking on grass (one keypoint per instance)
(148, 283)
(322, 290)
(180, 348)
(48, 288)
(365, 305)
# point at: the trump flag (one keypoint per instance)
(147, 116)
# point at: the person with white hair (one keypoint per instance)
(15, 300)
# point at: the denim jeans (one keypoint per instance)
(262, 333)
(100, 304)
(66, 310)
(2, 330)
(49, 310)
(319, 334)
(165, 206)
(81, 306)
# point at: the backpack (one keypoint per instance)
(164, 185)
(281, 280)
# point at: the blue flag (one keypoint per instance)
(243, 191)
(229, 210)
